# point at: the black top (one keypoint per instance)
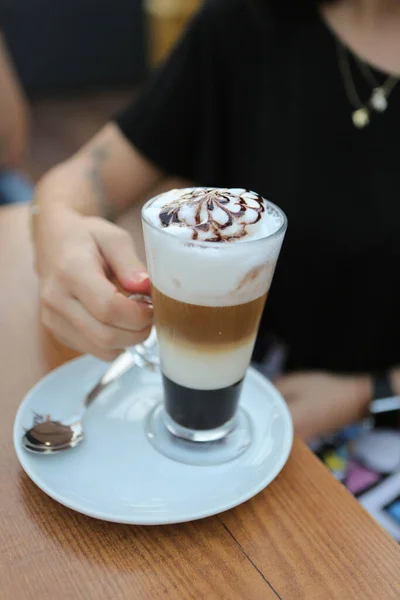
(246, 101)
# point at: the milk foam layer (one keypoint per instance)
(200, 271)
(192, 367)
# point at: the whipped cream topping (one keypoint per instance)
(190, 267)
(213, 214)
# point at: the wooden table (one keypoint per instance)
(304, 537)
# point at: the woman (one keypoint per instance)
(299, 103)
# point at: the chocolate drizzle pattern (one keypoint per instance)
(204, 203)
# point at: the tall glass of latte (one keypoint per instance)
(211, 255)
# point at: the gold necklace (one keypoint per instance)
(379, 98)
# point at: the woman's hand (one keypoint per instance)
(321, 402)
(76, 256)
(79, 255)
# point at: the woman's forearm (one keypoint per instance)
(13, 113)
(104, 178)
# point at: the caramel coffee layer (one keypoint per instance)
(206, 325)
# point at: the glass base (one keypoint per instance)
(198, 435)
(209, 451)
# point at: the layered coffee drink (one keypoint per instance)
(211, 255)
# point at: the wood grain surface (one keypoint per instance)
(304, 537)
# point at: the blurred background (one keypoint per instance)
(79, 61)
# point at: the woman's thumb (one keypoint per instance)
(117, 248)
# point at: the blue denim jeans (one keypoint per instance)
(14, 187)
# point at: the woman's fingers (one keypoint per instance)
(77, 328)
(117, 247)
(105, 303)
(105, 337)
(65, 333)
(86, 280)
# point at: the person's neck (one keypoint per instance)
(370, 13)
(369, 28)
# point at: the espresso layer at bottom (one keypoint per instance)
(200, 409)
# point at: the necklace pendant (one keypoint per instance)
(378, 100)
(360, 118)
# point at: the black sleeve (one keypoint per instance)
(177, 119)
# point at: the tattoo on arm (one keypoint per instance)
(2, 146)
(99, 155)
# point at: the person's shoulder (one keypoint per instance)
(260, 14)
(226, 7)
(231, 12)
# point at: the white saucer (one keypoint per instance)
(117, 475)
